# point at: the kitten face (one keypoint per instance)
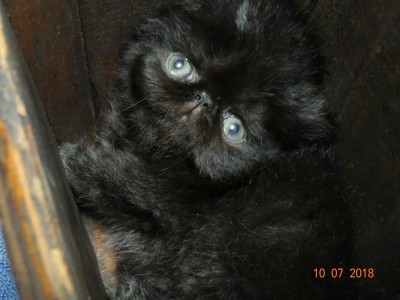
(229, 84)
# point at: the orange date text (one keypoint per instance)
(337, 273)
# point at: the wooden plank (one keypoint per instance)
(369, 157)
(361, 43)
(349, 31)
(50, 37)
(49, 249)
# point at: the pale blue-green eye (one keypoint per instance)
(179, 66)
(233, 129)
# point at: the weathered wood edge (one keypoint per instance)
(49, 249)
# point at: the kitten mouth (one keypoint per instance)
(194, 108)
(195, 112)
(198, 108)
(190, 109)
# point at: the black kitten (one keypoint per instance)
(212, 176)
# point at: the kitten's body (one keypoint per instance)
(190, 214)
(259, 240)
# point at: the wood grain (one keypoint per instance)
(50, 37)
(48, 246)
(361, 43)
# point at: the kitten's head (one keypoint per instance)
(228, 84)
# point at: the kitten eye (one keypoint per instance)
(233, 129)
(179, 67)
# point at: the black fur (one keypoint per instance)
(190, 214)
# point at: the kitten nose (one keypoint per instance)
(203, 99)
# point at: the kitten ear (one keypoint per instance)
(242, 15)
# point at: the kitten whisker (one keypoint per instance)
(136, 103)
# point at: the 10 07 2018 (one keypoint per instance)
(337, 273)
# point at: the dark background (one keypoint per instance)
(71, 48)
